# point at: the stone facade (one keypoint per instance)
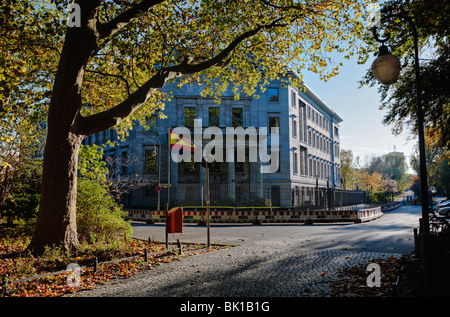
(308, 150)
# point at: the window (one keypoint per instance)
(274, 125)
(237, 117)
(213, 113)
(295, 163)
(303, 160)
(123, 163)
(294, 130)
(189, 116)
(302, 121)
(310, 167)
(309, 137)
(150, 161)
(190, 167)
(336, 131)
(151, 123)
(238, 166)
(273, 94)
(293, 99)
(110, 163)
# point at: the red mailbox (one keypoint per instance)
(175, 220)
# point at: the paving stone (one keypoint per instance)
(242, 271)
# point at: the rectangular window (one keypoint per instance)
(273, 94)
(238, 166)
(237, 117)
(274, 125)
(111, 164)
(295, 163)
(123, 163)
(190, 167)
(293, 99)
(294, 130)
(189, 116)
(151, 122)
(303, 160)
(150, 161)
(213, 113)
(336, 131)
(310, 167)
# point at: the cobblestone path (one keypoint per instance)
(241, 271)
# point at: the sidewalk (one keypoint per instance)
(243, 271)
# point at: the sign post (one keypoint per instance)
(205, 165)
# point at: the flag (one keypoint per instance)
(178, 142)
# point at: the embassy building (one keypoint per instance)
(302, 143)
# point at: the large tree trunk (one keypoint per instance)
(56, 222)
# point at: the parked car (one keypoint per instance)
(445, 211)
(442, 204)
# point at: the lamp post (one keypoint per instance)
(386, 68)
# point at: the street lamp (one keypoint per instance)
(386, 68)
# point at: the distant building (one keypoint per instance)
(308, 150)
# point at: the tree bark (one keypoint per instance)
(56, 221)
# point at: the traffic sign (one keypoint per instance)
(158, 188)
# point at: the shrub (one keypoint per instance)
(99, 218)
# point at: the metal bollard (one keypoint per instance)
(5, 283)
(95, 264)
(179, 247)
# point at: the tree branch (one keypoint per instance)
(109, 118)
(111, 75)
(112, 117)
(122, 20)
(192, 65)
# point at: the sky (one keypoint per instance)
(362, 130)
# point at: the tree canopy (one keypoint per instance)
(432, 20)
(106, 68)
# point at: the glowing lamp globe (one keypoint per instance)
(386, 67)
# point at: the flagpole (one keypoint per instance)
(168, 169)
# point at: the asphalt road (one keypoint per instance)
(393, 232)
(268, 260)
